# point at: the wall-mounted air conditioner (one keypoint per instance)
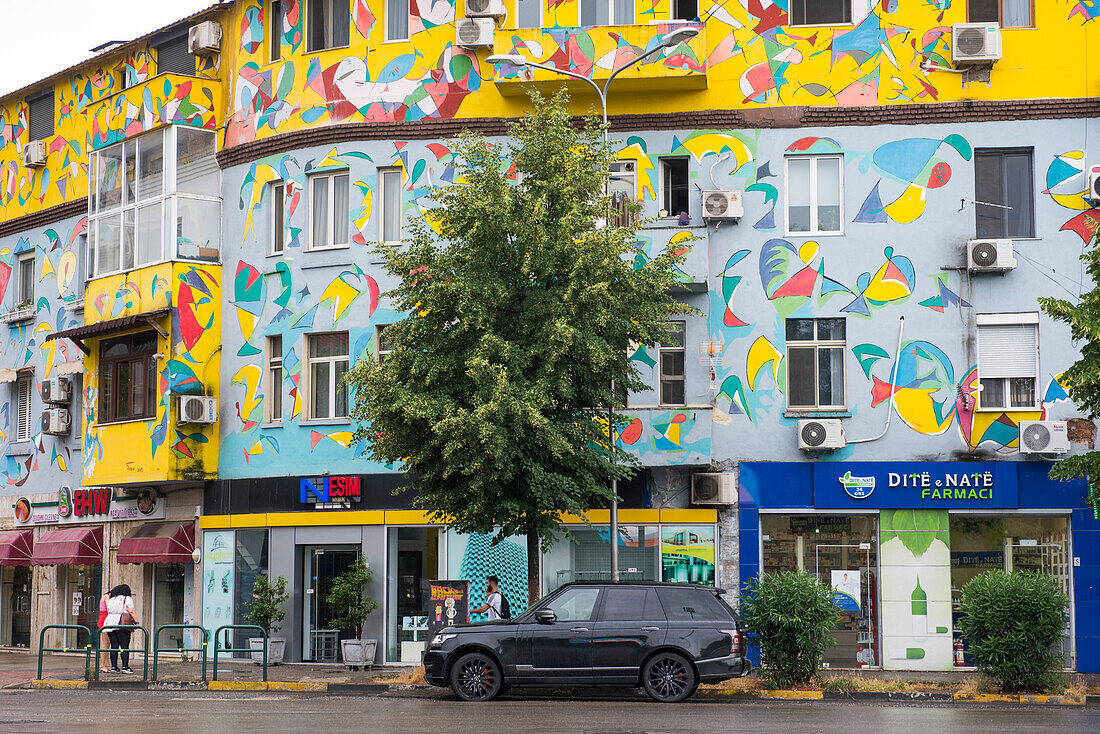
(723, 205)
(485, 8)
(475, 32)
(986, 256)
(821, 434)
(1093, 194)
(197, 409)
(56, 421)
(713, 488)
(34, 154)
(1043, 437)
(204, 38)
(57, 390)
(975, 43)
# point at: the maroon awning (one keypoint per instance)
(15, 547)
(158, 542)
(83, 545)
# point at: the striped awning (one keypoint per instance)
(158, 542)
(15, 547)
(76, 545)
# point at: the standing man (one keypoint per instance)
(494, 600)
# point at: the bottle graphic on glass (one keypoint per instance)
(918, 611)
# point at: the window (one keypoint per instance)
(1009, 13)
(671, 361)
(275, 379)
(397, 20)
(128, 377)
(622, 603)
(1008, 361)
(173, 57)
(327, 24)
(674, 186)
(40, 118)
(820, 12)
(328, 363)
(685, 9)
(814, 194)
(607, 12)
(575, 604)
(390, 183)
(688, 605)
(152, 198)
(328, 210)
(275, 31)
(278, 225)
(1004, 205)
(24, 293)
(529, 13)
(815, 364)
(24, 385)
(382, 346)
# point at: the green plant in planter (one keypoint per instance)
(790, 615)
(348, 598)
(265, 608)
(1012, 623)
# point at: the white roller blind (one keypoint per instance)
(1008, 350)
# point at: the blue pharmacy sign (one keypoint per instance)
(944, 485)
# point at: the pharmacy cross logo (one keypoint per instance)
(859, 488)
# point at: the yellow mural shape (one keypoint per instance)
(762, 352)
(908, 206)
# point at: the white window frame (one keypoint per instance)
(663, 166)
(312, 360)
(852, 11)
(331, 176)
(663, 349)
(611, 18)
(386, 20)
(1001, 15)
(24, 389)
(277, 244)
(275, 31)
(24, 259)
(816, 343)
(1028, 318)
(306, 11)
(672, 10)
(542, 14)
(383, 174)
(813, 159)
(379, 353)
(273, 371)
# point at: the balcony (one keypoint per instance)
(165, 99)
(595, 52)
(668, 436)
(653, 239)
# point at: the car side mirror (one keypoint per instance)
(545, 616)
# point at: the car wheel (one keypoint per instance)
(476, 677)
(668, 678)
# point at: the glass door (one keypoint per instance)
(322, 564)
(1041, 545)
(16, 614)
(81, 600)
(168, 586)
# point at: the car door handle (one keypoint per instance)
(580, 629)
(650, 629)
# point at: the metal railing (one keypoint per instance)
(144, 650)
(157, 649)
(217, 649)
(87, 647)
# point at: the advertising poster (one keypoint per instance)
(448, 603)
(687, 554)
(217, 579)
(846, 590)
(474, 558)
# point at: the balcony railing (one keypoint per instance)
(691, 241)
(164, 99)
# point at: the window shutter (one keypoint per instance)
(1008, 350)
(173, 58)
(40, 116)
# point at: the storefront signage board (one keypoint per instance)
(943, 485)
(84, 505)
(329, 492)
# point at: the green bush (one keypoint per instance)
(265, 608)
(1012, 623)
(790, 615)
(348, 599)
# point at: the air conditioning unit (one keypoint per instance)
(205, 38)
(975, 43)
(57, 390)
(1043, 437)
(485, 8)
(821, 434)
(475, 32)
(34, 154)
(197, 409)
(985, 256)
(722, 205)
(56, 421)
(1093, 194)
(713, 488)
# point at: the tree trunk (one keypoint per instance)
(534, 570)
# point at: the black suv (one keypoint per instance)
(667, 638)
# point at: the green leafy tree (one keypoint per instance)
(265, 608)
(497, 391)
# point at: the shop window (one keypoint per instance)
(40, 115)
(24, 293)
(815, 190)
(328, 24)
(820, 12)
(250, 560)
(685, 9)
(1007, 13)
(389, 180)
(278, 223)
(1008, 361)
(397, 20)
(414, 559)
(382, 347)
(607, 12)
(24, 387)
(586, 556)
(815, 364)
(674, 186)
(687, 554)
(15, 589)
(128, 378)
(328, 363)
(671, 358)
(328, 210)
(529, 13)
(275, 31)
(275, 379)
(1003, 189)
(174, 58)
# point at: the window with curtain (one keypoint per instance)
(1007, 13)
(814, 194)
(397, 20)
(607, 12)
(1004, 193)
(529, 13)
(328, 363)
(329, 210)
(390, 181)
(328, 23)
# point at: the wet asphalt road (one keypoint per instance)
(218, 713)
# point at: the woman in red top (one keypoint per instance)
(104, 643)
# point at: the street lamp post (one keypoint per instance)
(670, 40)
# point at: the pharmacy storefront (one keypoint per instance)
(897, 541)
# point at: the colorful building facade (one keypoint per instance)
(199, 228)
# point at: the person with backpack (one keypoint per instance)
(496, 604)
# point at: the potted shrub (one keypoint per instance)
(265, 609)
(351, 605)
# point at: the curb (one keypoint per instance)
(1036, 699)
